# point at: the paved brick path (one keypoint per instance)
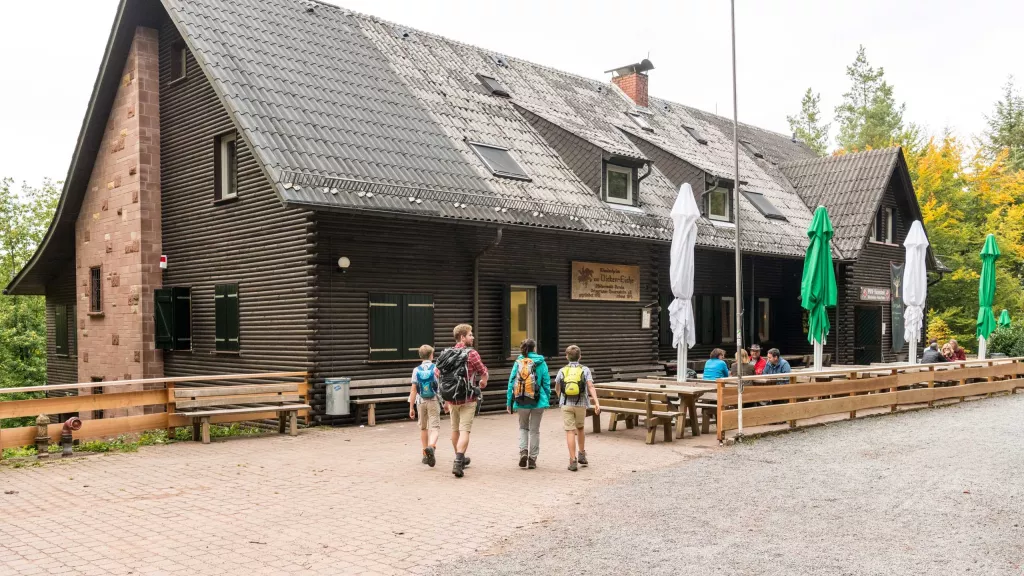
(352, 501)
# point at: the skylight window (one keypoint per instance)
(493, 85)
(763, 205)
(499, 161)
(640, 121)
(693, 132)
(751, 149)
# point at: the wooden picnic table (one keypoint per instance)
(688, 393)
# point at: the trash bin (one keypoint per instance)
(337, 391)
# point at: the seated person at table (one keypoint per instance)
(744, 364)
(716, 367)
(958, 352)
(777, 365)
(756, 359)
(947, 351)
(932, 355)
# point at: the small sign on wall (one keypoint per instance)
(871, 294)
(609, 282)
(645, 318)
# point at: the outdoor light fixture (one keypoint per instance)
(344, 263)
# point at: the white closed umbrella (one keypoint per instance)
(915, 286)
(684, 235)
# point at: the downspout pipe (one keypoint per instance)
(476, 276)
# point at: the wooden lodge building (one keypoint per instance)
(329, 191)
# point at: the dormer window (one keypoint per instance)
(720, 204)
(619, 184)
(883, 229)
(640, 121)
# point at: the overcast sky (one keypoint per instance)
(947, 59)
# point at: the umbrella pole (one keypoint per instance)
(817, 356)
(681, 362)
(913, 350)
(982, 348)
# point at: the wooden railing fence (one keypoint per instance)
(814, 394)
(127, 396)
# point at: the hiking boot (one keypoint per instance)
(424, 459)
(531, 463)
(572, 466)
(465, 462)
(523, 456)
(457, 467)
(428, 457)
(582, 458)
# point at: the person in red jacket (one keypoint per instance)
(756, 359)
(958, 352)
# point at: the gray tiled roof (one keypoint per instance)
(333, 101)
(850, 186)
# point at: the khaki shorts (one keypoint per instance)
(429, 413)
(573, 417)
(462, 416)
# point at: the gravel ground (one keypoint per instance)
(929, 492)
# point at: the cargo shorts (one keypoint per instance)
(573, 417)
(429, 412)
(462, 416)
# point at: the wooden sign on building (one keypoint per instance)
(609, 282)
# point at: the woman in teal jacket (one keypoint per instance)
(530, 411)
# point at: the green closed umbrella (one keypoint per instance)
(818, 283)
(1004, 319)
(987, 294)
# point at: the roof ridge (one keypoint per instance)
(838, 157)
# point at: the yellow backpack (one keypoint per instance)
(572, 378)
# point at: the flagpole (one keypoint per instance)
(736, 211)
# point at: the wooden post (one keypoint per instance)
(894, 372)
(718, 416)
(206, 430)
(371, 415)
(792, 380)
(931, 383)
(293, 423)
(171, 430)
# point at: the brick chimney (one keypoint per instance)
(632, 80)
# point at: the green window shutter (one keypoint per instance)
(182, 318)
(227, 319)
(220, 307)
(163, 305)
(547, 324)
(60, 325)
(386, 327)
(417, 323)
(233, 319)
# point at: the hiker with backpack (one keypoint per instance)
(574, 383)
(529, 393)
(461, 375)
(424, 398)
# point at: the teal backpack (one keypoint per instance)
(426, 383)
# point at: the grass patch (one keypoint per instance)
(132, 442)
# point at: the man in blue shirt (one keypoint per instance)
(777, 365)
(716, 367)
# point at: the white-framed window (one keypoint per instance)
(720, 204)
(523, 314)
(764, 315)
(884, 227)
(227, 167)
(727, 311)
(179, 60)
(618, 184)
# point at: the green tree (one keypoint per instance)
(24, 218)
(869, 117)
(1006, 128)
(807, 125)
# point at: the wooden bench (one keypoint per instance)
(636, 371)
(200, 404)
(627, 405)
(369, 393)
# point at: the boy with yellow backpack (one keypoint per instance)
(529, 392)
(575, 382)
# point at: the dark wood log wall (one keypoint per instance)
(770, 277)
(61, 290)
(252, 241)
(389, 255)
(872, 270)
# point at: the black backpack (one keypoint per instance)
(455, 385)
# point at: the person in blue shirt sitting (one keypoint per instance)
(777, 365)
(716, 367)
